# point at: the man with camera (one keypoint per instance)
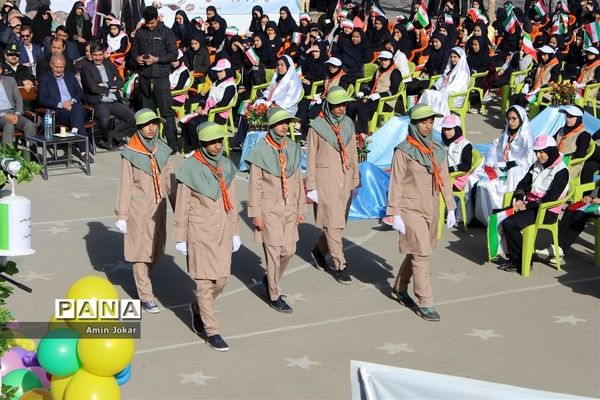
(153, 49)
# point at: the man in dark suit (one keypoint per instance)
(13, 68)
(102, 86)
(61, 92)
(57, 46)
(11, 111)
(31, 53)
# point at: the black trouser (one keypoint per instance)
(363, 111)
(102, 114)
(519, 99)
(512, 227)
(190, 136)
(591, 166)
(156, 93)
(570, 227)
(416, 87)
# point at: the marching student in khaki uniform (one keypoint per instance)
(206, 226)
(147, 179)
(276, 200)
(331, 175)
(419, 175)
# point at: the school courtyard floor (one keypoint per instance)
(541, 332)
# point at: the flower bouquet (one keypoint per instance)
(563, 93)
(256, 115)
(362, 147)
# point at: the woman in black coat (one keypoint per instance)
(378, 34)
(79, 26)
(181, 28)
(287, 25)
(257, 13)
(41, 26)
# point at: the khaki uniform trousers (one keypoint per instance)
(417, 267)
(143, 284)
(331, 241)
(207, 291)
(277, 259)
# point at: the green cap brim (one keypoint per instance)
(281, 115)
(423, 111)
(210, 131)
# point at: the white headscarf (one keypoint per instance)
(286, 92)
(455, 79)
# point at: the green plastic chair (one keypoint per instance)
(229, 123)
(432, 80)
(588, 99)
(476, 160)
(255, 88)
(463, 109)
(512, 87)
(291, 127)
(576, 181)
(314, 87)
(530, 232)
(370, 70)
(534, 108)
(380, 117)
(180, 110)
(479, 90)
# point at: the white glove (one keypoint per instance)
(13, 167)
(237, 242)
(398, 224)
(374, 97)
(121, 225)
(181, 247)
(490, 164)
(312, 194)
(360, 95)
(451, 219)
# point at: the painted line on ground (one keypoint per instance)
(367, 315)
(64, 221)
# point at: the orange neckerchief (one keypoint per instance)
(217, 173)
(338, 134)
(379, 75)
(282, 161)
(507, 147)
(586, 68)
(329, 81)
(542, 71)
(575, 131)
(437, 176)
(136, 144)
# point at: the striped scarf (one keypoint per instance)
(217, 172)
(282, 163)
(136, 144)
(437, 176)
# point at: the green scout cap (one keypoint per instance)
(146, 115)
(277, 114)
(208, 131)
(338, 95)
(422, 111)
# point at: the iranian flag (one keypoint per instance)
(557, 25)
(448, 19)
(421, 15)
(593, 31)
(510, 23)
(587, 208)
(540, 8)
(299, 72)
(410, 27)
(564, 7)
(338, 8)
(296, 37)
(528, 46)
(377, 11)
(252, 56)
(493, 231)
(477, 15)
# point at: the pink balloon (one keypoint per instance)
(41, 373)
(10, 360)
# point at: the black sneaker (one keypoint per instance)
(281, 306)
(150, 307)
(341, 275)
(319, 258)
(508, 266)
(197, 324)
(217, 343)
(403, 298)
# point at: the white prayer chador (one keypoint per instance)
(286, 92)
(490, 193)
(455, 79)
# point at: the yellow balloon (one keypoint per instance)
(58, 385)
(37, 394)
(105, 356)
(89, 287)
(55, 324)
(86, 385)
(25, 343)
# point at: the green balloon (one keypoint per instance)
(57, 352)
(23, 379)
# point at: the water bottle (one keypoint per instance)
(48, 125)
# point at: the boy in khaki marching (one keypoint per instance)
(147, 179)
(206, 226)
(276, 200)
(331, 175)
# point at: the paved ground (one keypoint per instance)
(539, 332)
